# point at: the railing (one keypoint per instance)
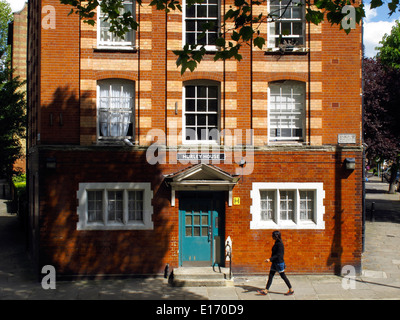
(228, 254)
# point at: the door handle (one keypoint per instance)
(209, 233)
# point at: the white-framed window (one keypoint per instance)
(290, 28)
(115, 206)
(194, 17)
(286, 110)
(283, 205)
(115, 109)
(107, 39)
(201, 112)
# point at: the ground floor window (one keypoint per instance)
(115, 206)
(287, 205)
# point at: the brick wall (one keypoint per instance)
(66, 65)
(127, 252)
(18, 61)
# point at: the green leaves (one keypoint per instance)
(238, 27)
(12, 119)
(259, 42)
(376, 3)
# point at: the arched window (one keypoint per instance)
(201, 111)
(286, 105)
(115, 109)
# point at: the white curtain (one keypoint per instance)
(115, 110)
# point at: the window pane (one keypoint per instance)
(204, 231)
(190, 105)
(213, 11)
(115, 206)
(196, 231)
(306, 205)
(213, 105)
(298, 28)
(201, 92)
(190, 91)
(267, 205)
(212, 120)
(204, 220)
(190, 25)
(213, 92)
(202, 105)
(95, 206)
(201, 10)
(191, 120)
(286, 204)
(202, 119)
(286, 28)
(190, 38)
(296, 11)
(191, 11)
(135, 205)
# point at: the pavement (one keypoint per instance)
(380, 278)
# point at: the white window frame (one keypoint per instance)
(218, 112)
(300, 113)
(209, 48)
(122, 83)
(119, 45)
(272, 35)
(277, 223)
(125, 187)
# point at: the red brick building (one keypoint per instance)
(119, 179)
(17, 40)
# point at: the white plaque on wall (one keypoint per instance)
(347, 138)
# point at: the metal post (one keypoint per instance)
(373, 212)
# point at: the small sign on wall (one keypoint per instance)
(236, 201)
(347, 138)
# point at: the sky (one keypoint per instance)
(376, 23)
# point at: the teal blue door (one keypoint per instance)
(200, 222)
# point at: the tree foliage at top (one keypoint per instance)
(5, 17)
(246, 25)
(389, 52)
(12, 102)
(12, 121)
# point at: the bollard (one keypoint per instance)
(373, 212)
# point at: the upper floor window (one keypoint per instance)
(105, 38)
(195, 16)
(289, 23)
(201, 112)
(115, 109)
(286, 105)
